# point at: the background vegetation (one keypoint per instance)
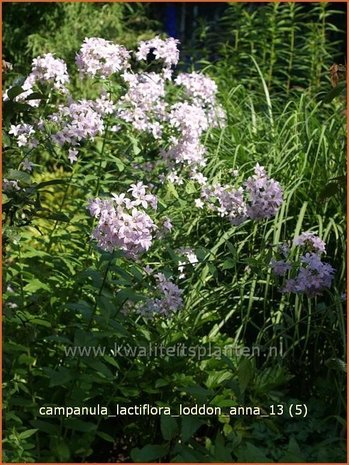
(271, 64)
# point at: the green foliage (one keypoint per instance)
(292, 44)
(62, 292)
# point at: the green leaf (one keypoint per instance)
(36, 285)
(190, 187)
(119, 163)
(169, 427)
(222, 452)
(46, 427)
(245, 373)
(35, 96)
(26, 434)
(99, 367)
(171, 191)
(60, 377)
(60, 448)
(217, 378)
(50, 183)
(79, 425)
(228, 264)
(128, 294)
(250, 453)
(20, 176)
(336, 364)
(149, 453)
(40, 322)
(293, 453)
(55, 216)
(190, 424)
(341, 88)
(14, 92)
(105, 436)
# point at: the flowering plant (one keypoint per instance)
(147, 204)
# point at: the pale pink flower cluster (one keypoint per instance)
(311, 241)
(163, 50)
(169, 302)
(189, 122)
(314, 276)
(24, 134)
(226, 200)
(77, 122)
(189, 119)
(100, 57)
(202, 90)
(123, 223)
(49, 69)
(198, 87)
(259, 197)
(265, 195)
(45, 69)
(309, 274)
(143, 104)
(280, 267)
(104, 105)
(185, 151)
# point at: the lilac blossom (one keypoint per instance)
(259, 197)
(173, 177)
(77, 122)
(190, 119)
(199, 203)
(100, 57)
(104, 105)
(201, 90)
(312, 241)
(163, 50)
(280, 267)
(72, 155)
(314, 276)
(170, 300)
(24, 135)
(49, 69)
(185, 152)
(198, 87)
(198, 177)
(148, 270)
(309, 275)
(228, 201)
(123, 223)
(46, 69)
(138, 192)
(143, 104)
(27, 165)
(167, 224)
(265, 195)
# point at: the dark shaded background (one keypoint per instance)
(179, 20)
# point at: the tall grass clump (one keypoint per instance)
(293, 44)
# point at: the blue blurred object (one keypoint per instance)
(170, 20)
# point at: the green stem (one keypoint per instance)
(99, 293)
(51, 235)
